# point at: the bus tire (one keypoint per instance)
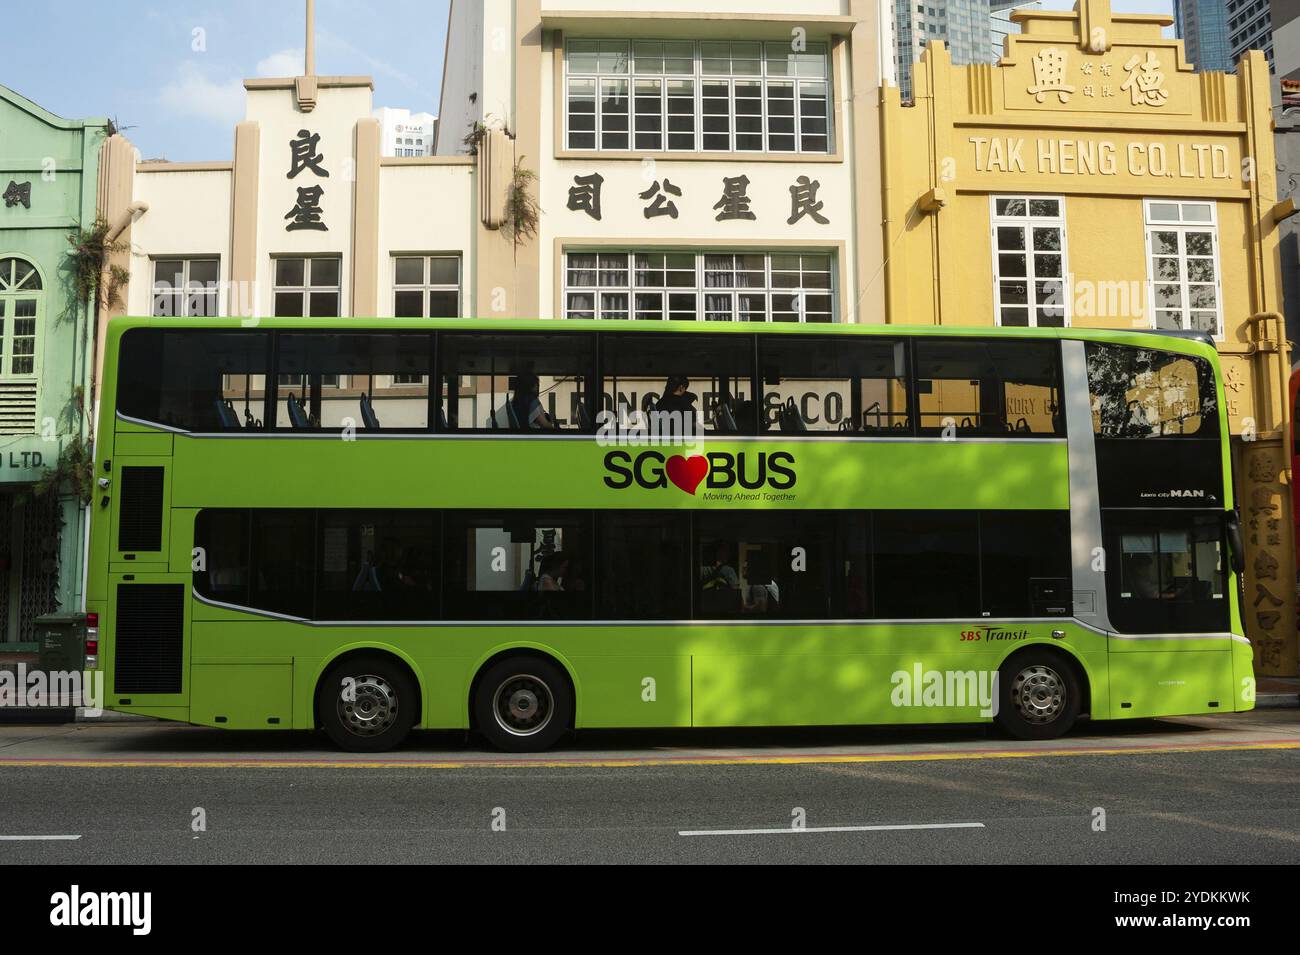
(1040, 694)
(367, 704)
(523, 704)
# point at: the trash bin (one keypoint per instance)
(61, 641)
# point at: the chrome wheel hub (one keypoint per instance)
(523, 705)
(1038, 694)
(369, 706)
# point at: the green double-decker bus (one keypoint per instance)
(529, 527)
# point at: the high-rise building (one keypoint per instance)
(1203, 27)
(403, 133)
(1285, 22)
(1001, 25)
(964, 25)
(1250, 27)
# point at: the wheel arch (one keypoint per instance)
(354, 650)
(523, 648)
(1085, 673)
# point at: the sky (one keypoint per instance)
(170, 73)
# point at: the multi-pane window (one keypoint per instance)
(1029, 266)
(426, 286)
(707, 96)
(21, 309)
(1183, 248)
(307, 287)
(715, 286)
(185, 287)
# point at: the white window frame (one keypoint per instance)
(23, 289)
(698, 290)
(698, 77)
(425, 286)
(1182, 227)
(186, 261)
(1028, 223)
(307, 288)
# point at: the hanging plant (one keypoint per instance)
(90, 251)
(477, 132)
(74, 472)
(519, 223)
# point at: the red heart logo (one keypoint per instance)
(687, 473)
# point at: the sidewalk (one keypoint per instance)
(1272, 691)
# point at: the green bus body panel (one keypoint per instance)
(252, 671)
(561, 473)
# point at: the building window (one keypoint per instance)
(307, 287)
(1029, 261)
(185, 287)
(714, 286)
(22, 307)
(426, 286)
(686, 96)
(1183, 249)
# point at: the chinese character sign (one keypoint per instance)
(305, 156)
(1049, 75)
(1145, 82)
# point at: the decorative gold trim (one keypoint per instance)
(243, 217)
(365, 219)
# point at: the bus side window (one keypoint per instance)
(1143, 393)
(989, 388)
(857, 387)
(194, 380)
(527, 382)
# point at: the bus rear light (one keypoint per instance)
(92, 647)
(92, 620)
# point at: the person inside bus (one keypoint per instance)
(718, 578)
(551, 572)
(677, 395)
(367, 579)
(1142, 578)
(527, 405)
(761, 594)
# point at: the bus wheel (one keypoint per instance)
(1039, 695)
(523, 704)
(367, 704)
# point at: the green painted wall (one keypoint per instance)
(60, 160)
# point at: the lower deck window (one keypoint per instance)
(1171, 575)
(388, 565)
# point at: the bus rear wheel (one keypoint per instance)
(1039, 695)
(523, 704)
(367, 704)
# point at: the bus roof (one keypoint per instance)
(1185, 342)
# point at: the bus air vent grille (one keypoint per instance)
(140, 519)
(150, 638)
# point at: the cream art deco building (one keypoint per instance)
(682, 160)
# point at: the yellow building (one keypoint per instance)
(1092, 178)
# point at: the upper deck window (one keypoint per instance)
(1143, 393)
(697, 96)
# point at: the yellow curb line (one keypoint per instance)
(627, 762)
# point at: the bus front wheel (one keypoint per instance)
(523, 704)
(1039, 695)
(367, 704)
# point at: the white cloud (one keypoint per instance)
(282, 63)
(191, 93)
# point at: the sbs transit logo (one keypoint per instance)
(719, 471)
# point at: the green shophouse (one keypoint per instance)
(48, 181)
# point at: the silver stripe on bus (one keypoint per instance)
(855, 622)
(1085, 504)
(517, 436)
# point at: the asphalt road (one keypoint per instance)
(1196, 790)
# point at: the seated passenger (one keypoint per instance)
(761, 594)
(527, 405)
(677, 395)
(551, 572)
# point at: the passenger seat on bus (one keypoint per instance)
(297, 417)
(368, 413)
(226, 414)
(791, 420)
